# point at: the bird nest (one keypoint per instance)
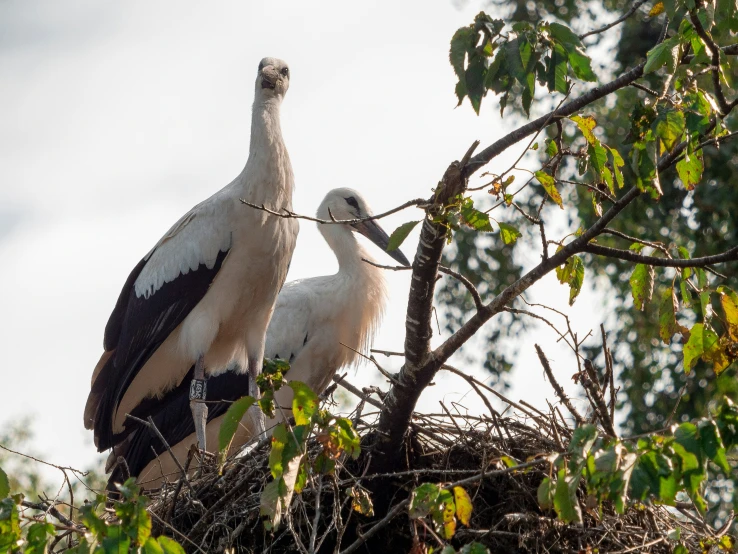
(220, 511)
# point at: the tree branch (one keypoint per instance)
(619, 20)
(630, 256)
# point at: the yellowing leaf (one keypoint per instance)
(586, 126)
(549, 185)
(729, 301)
(463, 505)
(304, 403)
(701, 340)
(641, 284)
(361, 502)
(657, 9)
(667, 315)
(572, 273)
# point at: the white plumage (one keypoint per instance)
(204, 294)
(318, 325)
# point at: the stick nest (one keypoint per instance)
(220, 512)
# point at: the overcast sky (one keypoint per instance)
(118, 117)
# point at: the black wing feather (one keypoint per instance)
(146, 324)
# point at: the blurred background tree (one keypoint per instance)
(650, 373)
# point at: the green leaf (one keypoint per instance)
(36, 538)
(557, 70)
(565, 497)
(445, 517)
(4, 484)
(400, 234)
(546, 491)
(115, 542)
(423, 500)
(460, 44)
(572, 273)
(475, 75)
(670, 128)
(712, 445)
(668, 325)
(551, 148)
(663, 54)
(549, 186)
(479, 221)
(509, 233)
(690, 169)
(473, 548)
(564, 35)
(582, 440)
(641, 284)
(152, 546)
(617, 163)
(232, 420)
(304, 403)
(170, 546)
(463, 505)
(280, 436)
(581, 65)
(597, 159)
(694, 348)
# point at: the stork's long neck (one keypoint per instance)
(349, 252)
(267, 177)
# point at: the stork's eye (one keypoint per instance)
(351, 201)
(285, 71)
(261, 66)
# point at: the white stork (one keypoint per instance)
(317, 326)
(202, 298)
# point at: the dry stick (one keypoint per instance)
(178, 488)
(51, 509)
(557, 388)
(468, 481)
(316, 519)
(599, 402)
(152, 427)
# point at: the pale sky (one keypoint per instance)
(118, 117)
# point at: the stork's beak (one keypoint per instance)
(269, 77)
(371, 230)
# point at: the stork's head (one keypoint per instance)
(346, 203)
(272, 79)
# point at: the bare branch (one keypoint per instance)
(619, 20)
(555, 384)
(288, 214)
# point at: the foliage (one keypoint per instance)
(130, 531)
(288, 461)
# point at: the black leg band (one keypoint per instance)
(198, 389)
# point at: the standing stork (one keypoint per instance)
(318, 325)
(202, 298)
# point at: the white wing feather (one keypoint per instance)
(195, 239)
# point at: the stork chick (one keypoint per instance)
(203, 296)
(318, 325)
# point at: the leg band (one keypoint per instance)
(198, 389)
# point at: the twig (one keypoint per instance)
(557, 388)
(593, 386)
(619, 20)
(152, 427)
(51, 509)
(316, 519)
(287, 214)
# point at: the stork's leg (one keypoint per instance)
(197, 402)
(256, 414)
